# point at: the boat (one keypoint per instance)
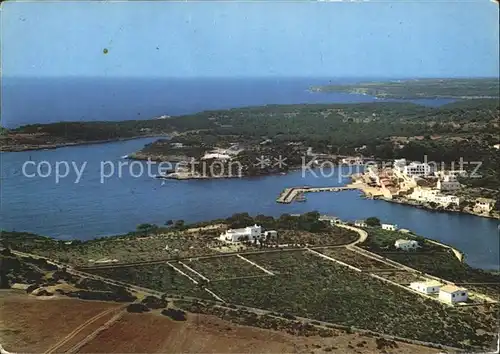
(125, 157)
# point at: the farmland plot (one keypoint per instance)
(224, 267)
(312, 287)
(354, 258)
(160, 277)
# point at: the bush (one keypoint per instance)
(176, 315)
(153, 302)
(137, 308)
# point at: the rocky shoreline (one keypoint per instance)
(437, 210)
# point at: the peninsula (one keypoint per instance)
(421, 88)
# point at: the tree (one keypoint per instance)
(169, 222)
(372, 221)
(179, 224)
(145, 228)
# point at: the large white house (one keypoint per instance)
(406, 245)
(399, 165)
(417, 169)
(453, 294)
(389, 227)
(484, 204)
(426, 287)
(448, 183)
(247, 233)
(432, 195)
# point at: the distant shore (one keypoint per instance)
(26, 147)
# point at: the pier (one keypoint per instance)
(288, 195)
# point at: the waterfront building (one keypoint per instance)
(417, 169)
(448, 183)
(399, 165)
(455, 173)
(352, 160)
(427, 287)
(389, 227)
(428, 195)
(406, 245)
(216, 156)
(244, 234)
(484, 205)
(453, 294)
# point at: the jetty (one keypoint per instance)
(289, 195)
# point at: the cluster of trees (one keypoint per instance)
(305, 222)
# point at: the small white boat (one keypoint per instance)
(125, 157)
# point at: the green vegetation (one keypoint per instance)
(385, 130)
(432, 260)
(422, 88)
(150, 242)
(353, 258)
(311, 287)
(223, 267)
(160, 277)
(247, 318)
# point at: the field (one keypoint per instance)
(306, 285)
(224, 267)
(29, 324)
(160, 277)
(151, 333)
(353, 258)
(311, 287)
(400, 277)
(336, 236)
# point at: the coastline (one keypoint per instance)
(426, 207)
(21, 148)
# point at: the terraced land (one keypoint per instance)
(400, 277)
(335, 236)
(160, 277)
(224, 267)
(279, 262)
(312, 287)
(354, 258)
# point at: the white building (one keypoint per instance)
(453, 294)
(455, 173)
(399, 165)
(360, 223)
(216, 156)
(484, 204)
(389, 227)
(247, 233)
(406, 245)
(271, 234)
(331, 219)
(427, 287)
(417, 169)
(448, 183)
(433, 196)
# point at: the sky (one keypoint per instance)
(250, 39)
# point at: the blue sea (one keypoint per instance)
(94, 207)
(46, 100)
